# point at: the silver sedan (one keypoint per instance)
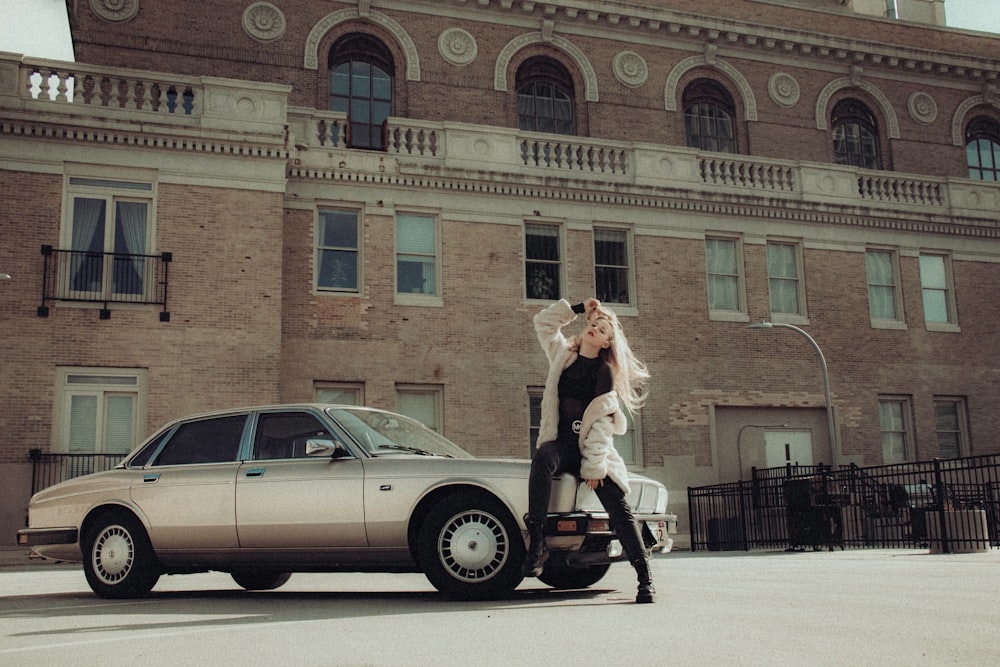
(263, 492)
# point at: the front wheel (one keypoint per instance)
(470, 548)
(564, 577)
(118, 559)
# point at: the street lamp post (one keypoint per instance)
(826, 381)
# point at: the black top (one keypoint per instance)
(582, 382)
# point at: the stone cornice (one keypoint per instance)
(629, 22)
(747, 206)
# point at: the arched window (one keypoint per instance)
(982, 149)
(708, 117)
(855, 135)
(545, 99)
(361, 71)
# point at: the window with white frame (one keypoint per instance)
(417, 254)
(100, 411)
(338, 250)
(542, 264)
(422, 402)
(895, 425)
(109, 233)
(726, 287)
(612, 268)
(951, 426)
(936, 288)
(784, 275)
(885, 303)
(342, 393)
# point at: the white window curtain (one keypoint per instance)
(723, 274)
(86, 272)
(934, 282)
(881, 285)
(130, 239)
(782, 269)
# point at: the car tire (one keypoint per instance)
(260, 580)
(471, 548)
(118, 559)
(564, 577)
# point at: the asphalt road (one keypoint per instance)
(842, 608)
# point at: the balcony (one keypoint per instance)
(48, 99)
(104, 278)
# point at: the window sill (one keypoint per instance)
(426, 300)
(789, 318)
(728, 316)
(943, 327)
(888, 324)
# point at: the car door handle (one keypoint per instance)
(255, 472)
(150, 478)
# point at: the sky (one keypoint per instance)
(39, 28)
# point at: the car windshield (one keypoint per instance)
(382, 433)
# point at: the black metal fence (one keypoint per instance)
(49, 469)
(945, 505)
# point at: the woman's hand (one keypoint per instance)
(594, 483)
(590, 305)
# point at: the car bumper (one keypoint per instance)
(596, 530)
(35, 537)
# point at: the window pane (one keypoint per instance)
(118, 424)
(542, 281)
(932, 273)
(612, 284)
(338, 229)
(82, 424)
(784, 296)
(415, 275)
(610, 247)
(347, 396)
(542, 242)
(781, 261)
(935, 306)
(415, 234)
(338, 269)
(723, 293)
(206, 441)
(422, 406)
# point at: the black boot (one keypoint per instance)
(646, 591)
(537, 553)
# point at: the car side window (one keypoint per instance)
(283, 435)
(205, 441)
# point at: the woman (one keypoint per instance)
(590, 377)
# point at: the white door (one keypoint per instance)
(784, 447)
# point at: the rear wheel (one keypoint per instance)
(565, 577)
(260, 580)
(118, 559)
(471, 548)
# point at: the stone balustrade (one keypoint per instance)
(316, 141)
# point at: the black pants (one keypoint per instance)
(563, 455)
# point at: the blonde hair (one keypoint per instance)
(629, 375)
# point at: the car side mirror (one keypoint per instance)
(323, 447)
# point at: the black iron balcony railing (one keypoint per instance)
(105, 278)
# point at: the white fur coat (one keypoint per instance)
(602, 420)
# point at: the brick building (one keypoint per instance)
(368, 201)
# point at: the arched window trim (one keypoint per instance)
(551, 87)
(982, 148)
(709, 116)
(362, 78)
(861, 147)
